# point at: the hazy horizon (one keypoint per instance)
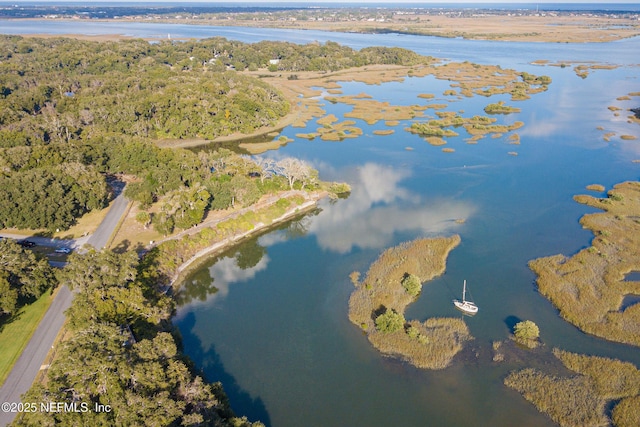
(331, 1)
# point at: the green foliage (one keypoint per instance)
(535, 80)
(430, 129)
(526, 330)
(500, 108)
(389, 322)
(163, 223)
(120, 356)
(23, 276)
(144, 218)
(130, 89)
(50, 198)
(412, 284)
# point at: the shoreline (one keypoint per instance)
(229, 242)
(546, 27)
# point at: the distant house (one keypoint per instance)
(274, 61)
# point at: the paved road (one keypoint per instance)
(34, 354)
(101, 236)
(30, 361)
(49, 242)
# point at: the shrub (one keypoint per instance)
(389, 321)
(412, 284)
(526, 331)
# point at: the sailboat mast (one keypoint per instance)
(464, 290)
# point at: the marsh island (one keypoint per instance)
(393, 282)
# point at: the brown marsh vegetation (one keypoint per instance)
(467, 79)
(596, 187)
(384, 295)
(581, 399)
(589, 288)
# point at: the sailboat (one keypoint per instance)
(465, 306)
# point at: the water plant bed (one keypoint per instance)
(588, 288)
(582, 398)
(392, 283)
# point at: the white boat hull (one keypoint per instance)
(466, 306)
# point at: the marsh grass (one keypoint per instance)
(486, 80)
(581, 399)
(261, 147)
(628, 137)
(435, 140)
(309, 136)
(500, 108)
(372, 111)
(588, 288)
(431, 344)
(596, 187)
(448, 150)
(383, 132)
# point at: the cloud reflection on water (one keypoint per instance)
(379, 207)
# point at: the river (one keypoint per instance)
(269, 318)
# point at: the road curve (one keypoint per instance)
(30, 361)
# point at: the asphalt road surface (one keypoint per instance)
(34, 354)
(30, 361)
(101, 236)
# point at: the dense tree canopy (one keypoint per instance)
(62, 90)
(23, 276)
(71, 110)
(50, 197)
(120, 355)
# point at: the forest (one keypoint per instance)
(75, 114)
(73, 111)
(123, 354)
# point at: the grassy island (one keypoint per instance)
(393, 282)
(582, 398)
(589, 288)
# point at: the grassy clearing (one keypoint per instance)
(431, 344)
(588, 288)
(15, 334)
(581, 399)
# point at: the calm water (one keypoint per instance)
(269, 319)
(276, 332)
